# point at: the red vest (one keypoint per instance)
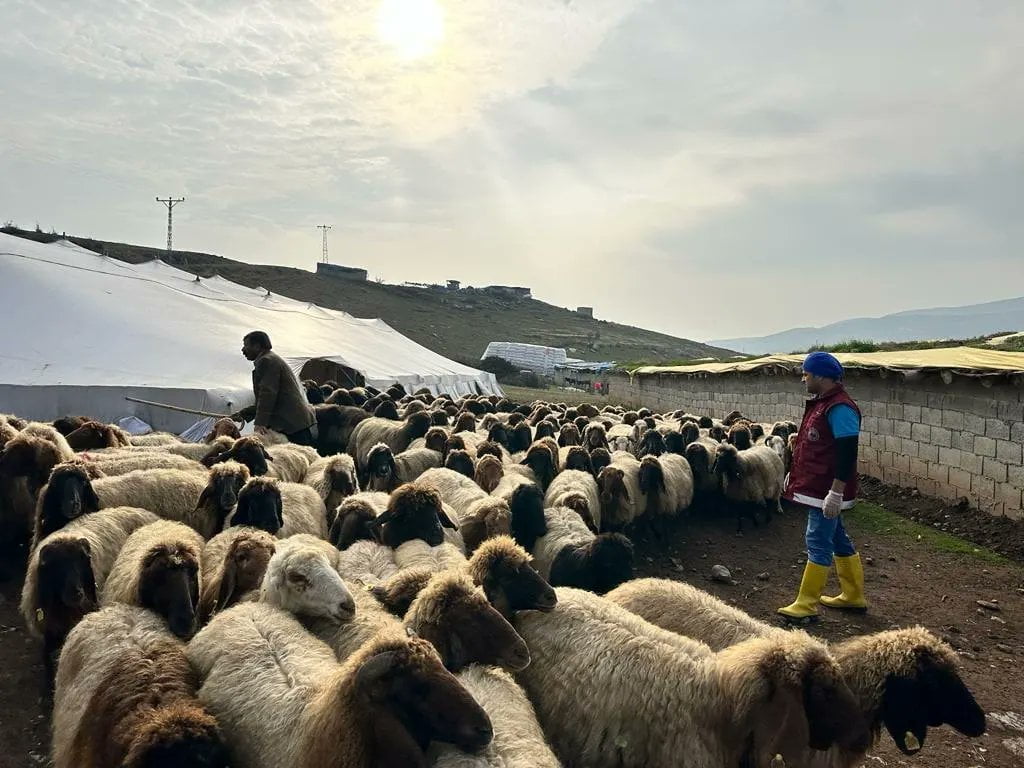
(814, 455)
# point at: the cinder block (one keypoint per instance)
(929, 453)
(890, 476)
(984, 446)
(995, 470)
(1015, 475)
(892, 443)
(902, 428)
(918, 468)
(974, 423)
(912, 413)
(932, 416)
(997, 428)
(885, 427)
(909, 447)
(950, 457)
(942, 437)
(960, 479)
(1009, 496)
(1010, 411)
(901, 462)
(1008, 451)
(971, 462)
(947, 492)
(983, 487)
(894, 411)
(962, 440)
(927, 487)
(952, 419)
(921, 432)
(885, 459)
(938, 472)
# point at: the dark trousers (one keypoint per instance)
(302, 437)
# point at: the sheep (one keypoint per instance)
(291, 462)
(652, 443)
(285, 702)
(126, 696)
(223, 428)
(302, 579)
(595, 436)
(367, 563)
(334, 479)
(750, 479)
(518, 739)
(526, 505)
(168, 439)
(599, 459)
(739, 436)
(122, 464)
(414, 511)
(232, 565)
(32, 458)
(65, 424)
(158, 568)
(249, 451)
(622, 500)
(701, 456)
(569, 554)
(461, 462)
(568, 435)
(545, 429)
(387, 471)
(480, 515)
(577, 490)
(667, 482)
(904, 679)
(520, 436)
(667, 699)
(395, 435)
(51, 435)
(435, 440)
(335, 424)
(465, 422)
(67, 572)
(173, 494)
(575, 457)
(93, 434)
(417, 554)
(355, 518)
(283, 509)
(488, 473)
(542, 459)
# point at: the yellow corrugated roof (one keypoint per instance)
(963, 359)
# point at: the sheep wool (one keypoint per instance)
(418, 554)
(577, 490)
(122, 585)
(367, 563)
(173, 494)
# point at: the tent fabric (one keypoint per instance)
(965, 361)
(81, 331)
(533, 357)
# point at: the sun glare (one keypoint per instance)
(412, 27)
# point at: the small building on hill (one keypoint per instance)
(338, 270)
(585, 312)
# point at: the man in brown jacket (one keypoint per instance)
(281, 403)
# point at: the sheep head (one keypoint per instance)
(301, 578)
(651, 444)
(223, 485)
(461, 462)
(538, 458)
(380, 465)
(414, 512)
(463, 626)
(526, 504)
(65, 585)
(260, 506)
(243, 568)
(169, 586)
(68, 495)
(739, 435)
(599, 459)
(568, 435)
(578, 458)
(354, 521)
(223, 428)
(489, 471)
(503, 569)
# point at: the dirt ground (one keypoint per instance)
(909, 582)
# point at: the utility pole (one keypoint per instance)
(170, 202)
(324, 227)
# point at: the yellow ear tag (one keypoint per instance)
(39, 615)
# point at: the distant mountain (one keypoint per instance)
(914, 325)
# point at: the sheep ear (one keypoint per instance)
(950, 701)
(91, 499)
(203, 498)
(445, 520)
(266, 455)
(228, 582)
(215, 457)
(279, 509)
(370, 674)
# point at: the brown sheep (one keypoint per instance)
(233, 563)
(223, 428)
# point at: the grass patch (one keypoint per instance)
(872, 518)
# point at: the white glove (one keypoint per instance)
(833, 505)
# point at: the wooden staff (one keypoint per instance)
(179, 408)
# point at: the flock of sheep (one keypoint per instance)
(439, 582)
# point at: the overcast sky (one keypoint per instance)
(706, 168)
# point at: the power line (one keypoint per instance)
(324, 227)
(170, 202)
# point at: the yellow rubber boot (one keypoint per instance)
(851, 579)
(805, 607)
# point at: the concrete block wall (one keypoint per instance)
(961, 440)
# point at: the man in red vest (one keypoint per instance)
(823, 480)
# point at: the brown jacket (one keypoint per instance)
(281, 402)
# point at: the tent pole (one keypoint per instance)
(178, 408)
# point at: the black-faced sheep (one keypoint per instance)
(904, 679)
(414, 511)
(385, 471)
(526, 504)
(739, 436)
(569, 435)
(93, 434)
(652, 443)
(67, 496)
(126, 696)
(545, 429)
(222, 428)
(386, 410)
(439, 418)
(667, 482)
(488, 472)
(480, 515)
(742, 706)
(461, 462)
(622, 500)
(67, 424)
(158, 569)
(751, 480)
(355, 518)
(286, 702)
(283, 509)
(396, 435)
(599, 459)
(68, 570)
(571, 555)
(335, 424)
(575, 457)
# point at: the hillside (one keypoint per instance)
(457, 324)
(975, 320)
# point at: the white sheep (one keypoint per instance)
(353, 518)
(302, 578)
(622, 500)
(125, 695)
(290, 462)
(283, 701)
(51, 435)
(367, 563)
(417, 554)
(665, 700)
(396, 435)
(577, 490)
(751, 479)
(173, 494)
(667, 482)
(121, 464)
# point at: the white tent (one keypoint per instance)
(533, 357)
(81, 331)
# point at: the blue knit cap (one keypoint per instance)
(823, 364)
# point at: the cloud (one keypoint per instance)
(647, 157)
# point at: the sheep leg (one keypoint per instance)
(767, 507)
